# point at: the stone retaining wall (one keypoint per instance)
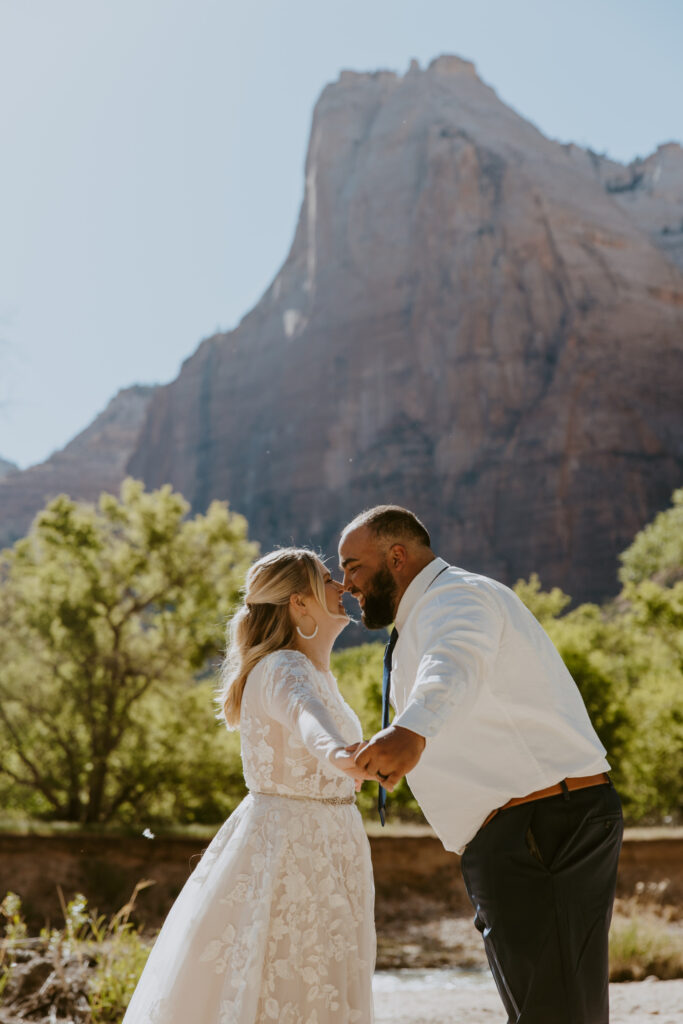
(408, 867)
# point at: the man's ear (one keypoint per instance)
(397, 556)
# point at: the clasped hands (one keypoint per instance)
(385, 758)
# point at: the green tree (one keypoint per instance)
(107, 613)
(545, 605)
(627, 660)
(657, 550)
(652, 615)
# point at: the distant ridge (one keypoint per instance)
(7, 467)
(93, 462)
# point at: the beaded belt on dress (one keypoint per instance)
(315, 799)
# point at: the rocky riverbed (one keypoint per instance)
(443, 1001)
(431, 963)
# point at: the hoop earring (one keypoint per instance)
(308, 636)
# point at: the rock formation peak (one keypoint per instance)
(448, 64)
(473, 321)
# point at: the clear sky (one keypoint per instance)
(153, 150)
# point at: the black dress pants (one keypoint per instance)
(542, 877)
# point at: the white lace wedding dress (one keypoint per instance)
(276, 922)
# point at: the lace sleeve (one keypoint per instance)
(291, 697)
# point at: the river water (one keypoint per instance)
(414, 980)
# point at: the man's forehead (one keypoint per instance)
(354, 543)
(356, 534)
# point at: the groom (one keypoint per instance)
(499, 751)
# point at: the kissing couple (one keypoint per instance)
(276, 921)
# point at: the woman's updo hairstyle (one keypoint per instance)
(263, 624)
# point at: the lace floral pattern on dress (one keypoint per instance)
(276, 922)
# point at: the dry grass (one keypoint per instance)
(645, 941)
(84, 972)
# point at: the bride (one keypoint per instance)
(276, 922)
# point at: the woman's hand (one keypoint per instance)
(344, 758)
(389, 755)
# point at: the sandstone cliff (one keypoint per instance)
(93, 462)
(650, 192)
(473, 321)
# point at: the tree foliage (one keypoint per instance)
(112, 617)
(106, 615)
(627, 660)
(657, 550)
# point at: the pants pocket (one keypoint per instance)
(532, 846)
(605, 819)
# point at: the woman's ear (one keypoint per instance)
(297, 602)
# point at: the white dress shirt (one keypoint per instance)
(477, 676)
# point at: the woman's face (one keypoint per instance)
(334, 593)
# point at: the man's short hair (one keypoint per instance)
(391, 521)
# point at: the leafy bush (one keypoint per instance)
(15, 933)
(106, 615)
(657, 550)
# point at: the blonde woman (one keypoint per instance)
(276, 922)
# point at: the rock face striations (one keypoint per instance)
(649, 191)
(93, 462)
(473, 321)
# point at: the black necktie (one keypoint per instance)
(386, 690)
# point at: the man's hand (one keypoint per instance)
(390, 755)
(343, 758)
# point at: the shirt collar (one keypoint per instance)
(416, 589)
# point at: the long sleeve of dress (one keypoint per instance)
(292, 697)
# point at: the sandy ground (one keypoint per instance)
(659, 1002)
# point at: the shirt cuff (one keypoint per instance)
(416, 718)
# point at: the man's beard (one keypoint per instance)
(380, 598)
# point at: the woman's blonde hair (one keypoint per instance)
(263, 623)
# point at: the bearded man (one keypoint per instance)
(494, 738)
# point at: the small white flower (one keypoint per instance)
(211, 951)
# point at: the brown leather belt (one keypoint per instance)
(583, 782)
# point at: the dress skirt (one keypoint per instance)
(274, 924)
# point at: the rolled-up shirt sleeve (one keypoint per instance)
(459, 636)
